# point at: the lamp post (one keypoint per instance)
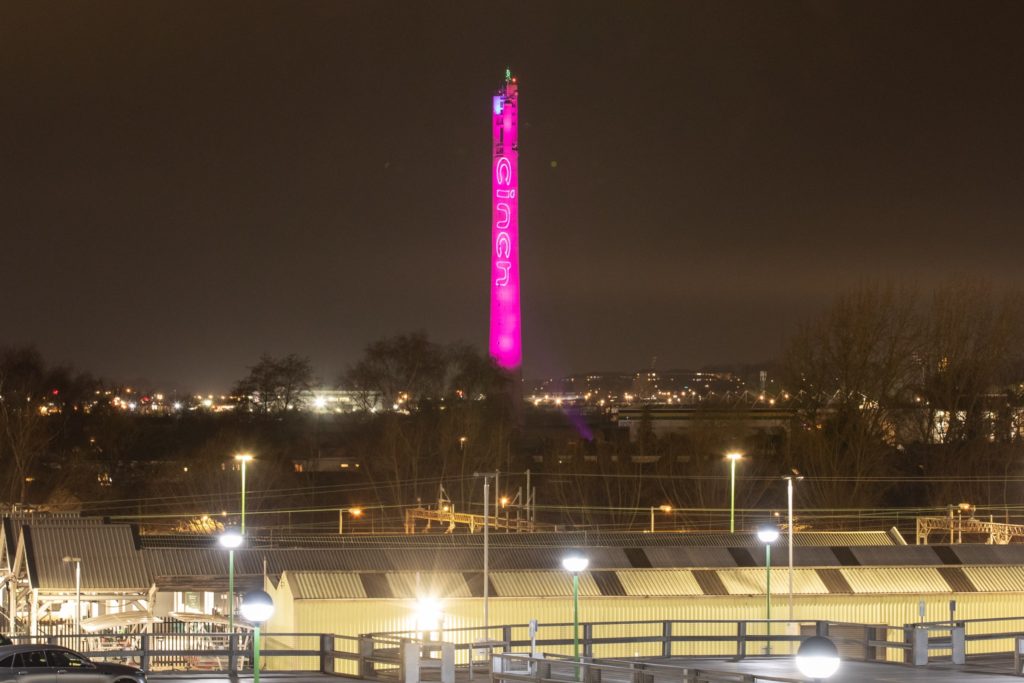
(575, 564)
(78, 591)
(789, 531)
(768, 535)
(732, 457)
(487, 548)
(230, 540)
(243, 458)
(817, 658)
(355, 512)
(257, 607)
(663, 508)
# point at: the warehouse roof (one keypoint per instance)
(115, 558)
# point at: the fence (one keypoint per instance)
(409, 655)
(667, 639)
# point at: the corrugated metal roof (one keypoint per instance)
(753, 581)
(909, 554)
(324, 585)
(581, 539)
(110, 561)
(895, 580)
(979, 553)
(690, 557)
(184, 562)
(996, 579)
(540, 584)
(551, 558)
(813, 557)
(438, 585)
(642, 582)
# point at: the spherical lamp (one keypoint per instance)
(257, 606)
(817, 658)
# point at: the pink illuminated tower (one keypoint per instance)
(506, 341)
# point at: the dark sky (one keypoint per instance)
(188, 184)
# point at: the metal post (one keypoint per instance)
(232, 655)
(768, 596)
(789, 496)
(486, 559)
(576, 621)
(652, 519)
(326, 653)
(497, 495)
(78, 596)
(243, 497)
(528, 501)
(231, 590)
(732, 495)
(255, 649)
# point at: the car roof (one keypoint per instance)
(28, 647)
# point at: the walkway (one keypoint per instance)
(854, 672)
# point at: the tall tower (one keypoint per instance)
(506, 339)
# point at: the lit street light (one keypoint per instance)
(230, 540)
(732, 457)
(243, 458)
(355, 512)
(575, 564)
(817, 658)
(257, 607)
(664, 508)
(768, 535)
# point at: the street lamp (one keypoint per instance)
(243, 458)
(355, 512)
(257, 607)
(732, 457)
(575, 564)
(768, 535)
(230, 540)
(78, 590)
(663, 508)
(790, 478)
(817, 658)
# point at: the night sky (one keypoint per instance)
(188, 184)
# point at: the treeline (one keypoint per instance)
(891, 399)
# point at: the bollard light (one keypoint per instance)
(257, 607)
(817, 658)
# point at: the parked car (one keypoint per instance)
(47, 663)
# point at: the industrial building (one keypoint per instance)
(349, 585)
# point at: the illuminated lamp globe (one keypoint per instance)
(575, 563)
(817, 658)
(257, 606)
(230, 539)
(768, 534)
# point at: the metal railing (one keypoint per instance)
(669, 639)
(961, 638)
(407, 654)
(222, 652)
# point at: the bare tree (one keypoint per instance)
(852, 371)
(276, 385)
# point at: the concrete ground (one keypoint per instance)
(856, 672)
